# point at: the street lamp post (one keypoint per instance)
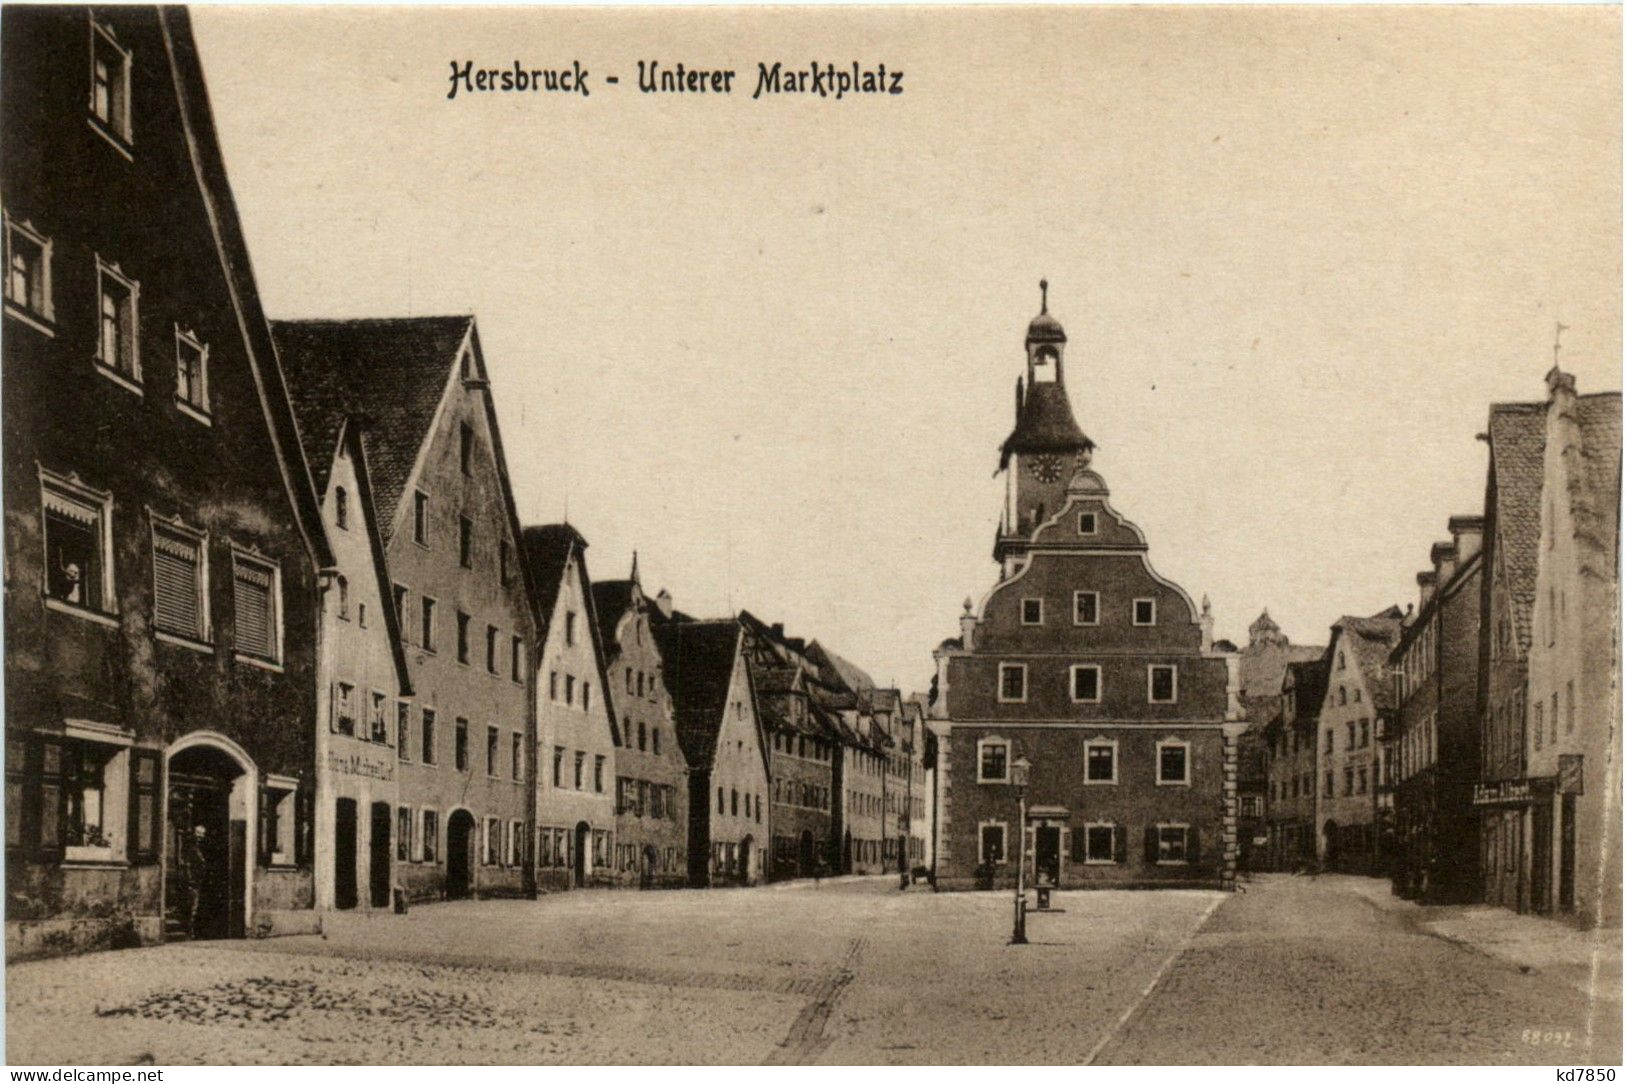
(1018, 778)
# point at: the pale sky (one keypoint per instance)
(772, 344)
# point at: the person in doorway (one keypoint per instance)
(191, 861)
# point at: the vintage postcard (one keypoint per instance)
(824, 535)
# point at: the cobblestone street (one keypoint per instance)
(1292, 970)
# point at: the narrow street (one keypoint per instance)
(1292, 970)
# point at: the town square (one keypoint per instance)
(1115, 566)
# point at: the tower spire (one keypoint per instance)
(634, 566)
(1043, 296)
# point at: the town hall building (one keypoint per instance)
(1085, 666)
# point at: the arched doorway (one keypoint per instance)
(747, 859)
(809, 855)
(1329, 834)
(211, 800)
(459, 854)
(345, 829)
(583, 858)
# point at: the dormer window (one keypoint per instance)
(1086, 523)
(1032, 611)
(420, 518)
(109, 86)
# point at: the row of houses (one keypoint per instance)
(278, 640)
(1467, 746)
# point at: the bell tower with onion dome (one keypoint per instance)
(1046, 447)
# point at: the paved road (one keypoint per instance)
(1293, 971)
(1304, 970)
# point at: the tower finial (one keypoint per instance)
(1043, 296)
(634, 566)
(1557, 341)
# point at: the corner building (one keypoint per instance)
(1097, 671)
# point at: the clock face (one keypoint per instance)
(1046, 468)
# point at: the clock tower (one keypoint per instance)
(1046, 447)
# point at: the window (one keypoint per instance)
(558, 765)
(1365, 728)
(179, 591)
(1568, 707)
(426, 632)
(28, 272)
(341, 513)
(1342, 695)
(344, 707)
(1173, 762)
(431, 836)
(1086, 523)
(78, 544)
(598, 774)
(569, 689)
(493, 841)
(1145, 611)
(491, 740)
(343, 586)
(1351, 743)
(1086, 607)
(1362, 781)
(465, 541)
(1099, 843)
(552, 684)
(460, 749)
(192, 376)
(1356, 695)
(428, 736)
(1032, 611)
(93, 798)
(465, 448)
(378, 717)
(1348, 781)
(420, 518)
(643, 736)
(1330, 786)
(1086, 684)
(992, 761)
(1540, 723)
(277, 815)
(403, 730)
(1173, 844)
(516, 843)
(518, 755)
(586, 696)
(1012, 682)
(403, 834)
(581, 763)
(516, 653)
(491, 649)
(116, 343)
(109, 85)
(462, 637)
(255, 595)
(991, 843)
(1331, 740)
(1100, 761)
(1163, 684)
(655, 738)
(570, 627)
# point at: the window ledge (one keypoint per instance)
(94, 857)
(1173, 782)
(75, 610)
(32, 319)
(117, 376)
(1100, 782)
(1100, 861)
(114, 140)
(201, 646)
(254, 660)
(195, 413)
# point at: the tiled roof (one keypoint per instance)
(1369, 640)
(390, 372)
(611, 599)
(1309, 683)
(698, 662)
(883, 700)
(1596, 511)
(836, 670)
(1517, 434)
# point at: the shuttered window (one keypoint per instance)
(177, 571)
(254, 591)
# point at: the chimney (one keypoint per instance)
(967, 628)
(1443, 556)
(1427, 581)
(1467, 532)
(778, 630)
(663, 601)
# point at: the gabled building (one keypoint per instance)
(1085, 663)
(1263, 664)
(368, 706)
(1291, 744)
(1573, 744)
(1512, 500)
(1433, 741)
(917, 798)
(714, 706)
(440, 485)
(575, 727)
(651, 776)
(1358, 692)
(166, 564)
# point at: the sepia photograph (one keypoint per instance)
(811, 535)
